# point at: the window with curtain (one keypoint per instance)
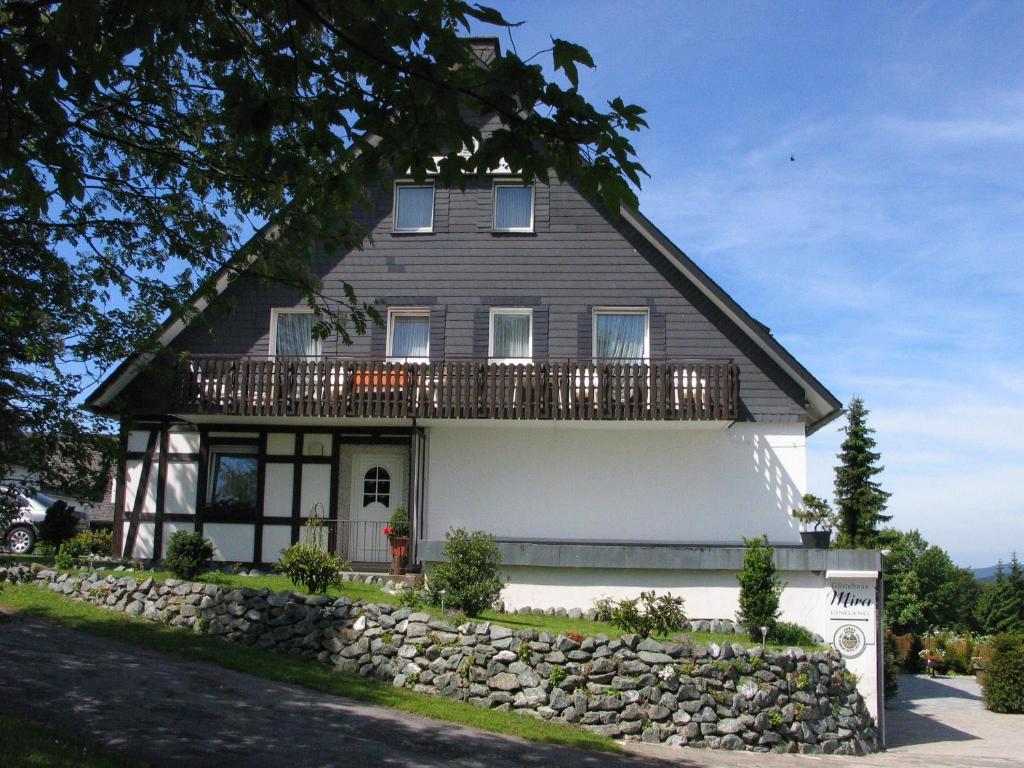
(512, 334)
(293, 335)
(513, 208)
(620, 335)
(414, 208)
(409, 336)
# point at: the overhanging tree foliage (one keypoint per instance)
(860, 500)
(141, 140)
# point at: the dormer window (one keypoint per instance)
(414, 208)
(513, 207)
(291, 333)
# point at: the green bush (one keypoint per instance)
(469, 581)
(649, 614)
(188, 554)
(788, 633)
(399, 523)
(63, 561)
(59, 525)
(890, 680)
(309, 565)
(760, 588)
(1003, 682)
(90, 543)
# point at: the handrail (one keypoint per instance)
(572, 390)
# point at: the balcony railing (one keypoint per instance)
(566, 390)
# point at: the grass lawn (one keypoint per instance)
(27, 745)
(41, 602)
(373, 593)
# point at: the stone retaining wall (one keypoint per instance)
(717, 696)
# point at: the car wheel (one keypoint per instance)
(21, 540)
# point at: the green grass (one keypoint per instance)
(27, 745)
(555, 625)
(38, 601)
(374, 593)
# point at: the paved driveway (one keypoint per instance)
(173, 712)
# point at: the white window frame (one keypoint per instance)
(490, 334)
(246, 450)
(407, 312)
(394, 212)
(275, 312)
(494, 205)
(621, 311)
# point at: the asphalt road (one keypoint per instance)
(169, 711)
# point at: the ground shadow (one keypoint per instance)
(906, 723)
(171, 712)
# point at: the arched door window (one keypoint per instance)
(377, 487)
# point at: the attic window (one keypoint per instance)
(513, 208)
(414, 208)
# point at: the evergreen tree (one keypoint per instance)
(860, 499)
(986, 605)
(1002, 608)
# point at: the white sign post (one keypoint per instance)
(853, 618)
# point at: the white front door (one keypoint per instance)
(378, 489)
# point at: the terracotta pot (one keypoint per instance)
(399, 553)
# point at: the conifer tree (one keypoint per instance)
(1002, 607)
(860, 499)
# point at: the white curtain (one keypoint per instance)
(295, 335)
(511, 335)
(513, 207)
(410, 336)
(621, 336)
(415, 208)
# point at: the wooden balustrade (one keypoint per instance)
(564, 390)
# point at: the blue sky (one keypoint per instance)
(888, 256)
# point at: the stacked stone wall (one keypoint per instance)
(717, 696)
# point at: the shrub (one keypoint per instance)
(650, 614)
(59, 525)
(306, 563)
(890, 680)
(1003, 682)
(90, 543)
(63, 561)
(399, 523)
(188, 554)
(411, 597)
(760, 588)
(603, 608)
(469, 581)
(788, 633)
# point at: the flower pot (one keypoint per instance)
(399, 553)
(815, 539)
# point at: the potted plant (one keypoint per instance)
(397, 531)
(816, 512)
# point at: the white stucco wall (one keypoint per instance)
(654, 482)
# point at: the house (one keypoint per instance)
(565, 379)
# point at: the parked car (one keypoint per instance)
(22, 533)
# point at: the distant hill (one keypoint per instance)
(986, 574)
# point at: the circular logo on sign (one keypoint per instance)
(849, 641)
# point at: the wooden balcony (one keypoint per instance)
(564, 390)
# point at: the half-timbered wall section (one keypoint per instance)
(253, 490)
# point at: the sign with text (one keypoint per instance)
(852, 612)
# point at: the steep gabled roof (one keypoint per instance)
(821, 405)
